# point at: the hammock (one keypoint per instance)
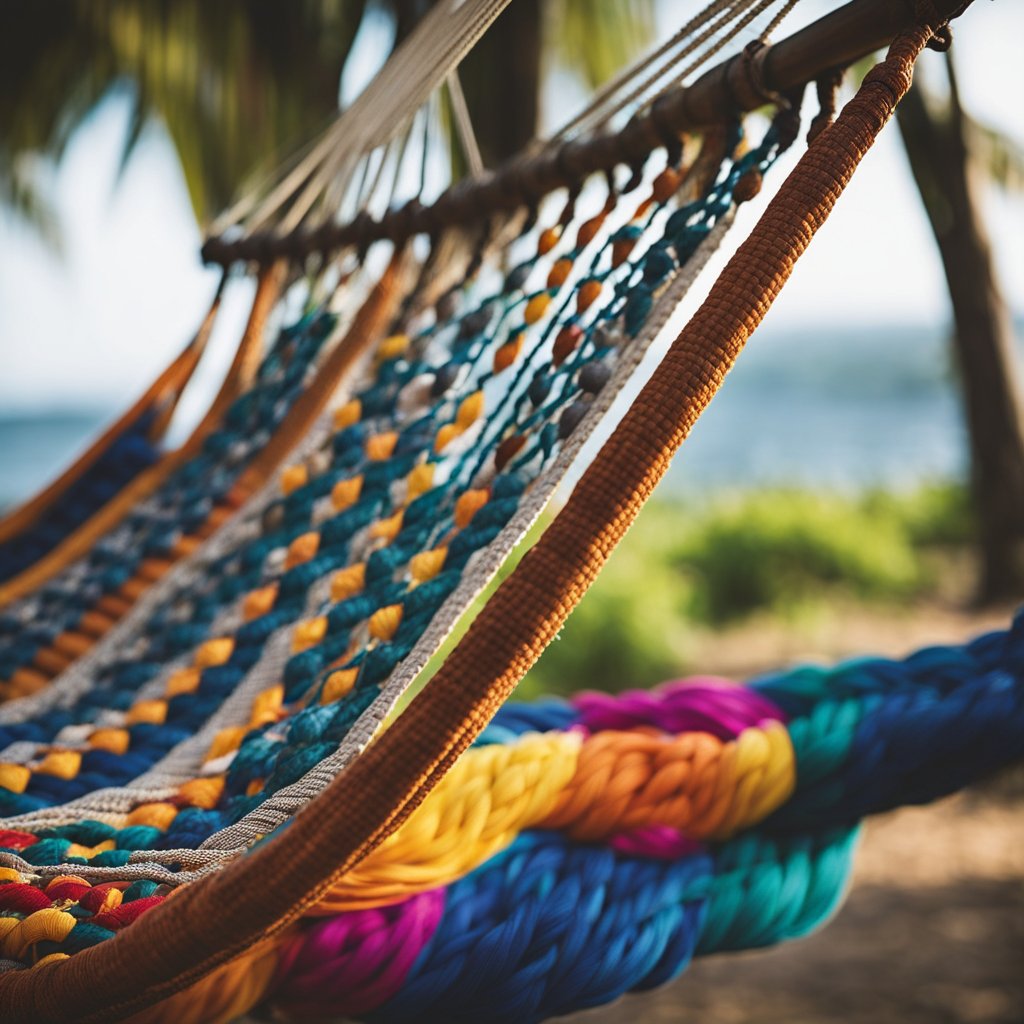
(212, 806)
(107, 466)
(127, 543)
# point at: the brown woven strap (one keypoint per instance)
(212, 920)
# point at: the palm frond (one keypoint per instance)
(595, 38)
(999, 156)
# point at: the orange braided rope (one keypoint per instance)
(165, 391)
(237, 379)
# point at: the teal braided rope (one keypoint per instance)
(551, 927)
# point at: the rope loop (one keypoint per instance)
(752, 58)
(942, 32)
(827, 88)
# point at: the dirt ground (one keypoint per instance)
(762, 643)
(932, 933)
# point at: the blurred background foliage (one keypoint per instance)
(234, 82)
(782, 553)
(239, 84)
(785, 556)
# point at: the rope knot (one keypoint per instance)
(928, 16)
(828, 94)
(753, 57)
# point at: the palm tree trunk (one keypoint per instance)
(501, 77)
(941, 164)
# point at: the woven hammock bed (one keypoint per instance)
(217, 795)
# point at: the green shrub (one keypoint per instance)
(628, 631)
(777, 550)
(783, 552)
(936, 514)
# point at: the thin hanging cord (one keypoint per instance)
(378, 176)
(629, 74)
(403, 147)
(426, 146)
(713, 24)
(448, 43)
(464, 124)
(778, 20)
(744, 22)
(704, 57)
(709, 33)
(445, 35)
(360, 185)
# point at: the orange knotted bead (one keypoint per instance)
(468, 505)
(387, 529)
(309, 633)
(508, 450)
(470, 409)
(587, 295)
(259, 602)
(348, 582)
(559, 273)
(215, 652)
(548, 240)
(508, 354)
(589, 229)
(384, 622)
(345, 493)
(292, 478)
(565, 343)
(348, 414)
(621, 249)
(536, 307)
(666, 184)
(427, 564)
(380, 446)
(338, 684)
(302, 549)
(446, 435)
(419, 480)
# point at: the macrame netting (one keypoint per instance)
(205, 799)
(124, 451)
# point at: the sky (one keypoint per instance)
(92, 325)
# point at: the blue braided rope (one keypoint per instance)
(552, 927)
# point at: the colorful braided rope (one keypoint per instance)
(586, 848)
